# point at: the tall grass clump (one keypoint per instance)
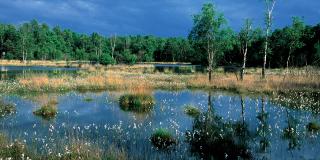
(81, 151)
(191, 111)
(6, 109)
(136, 102)
(16, 150)
(162, 138)
(47, 111)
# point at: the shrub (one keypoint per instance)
(162, 138)
(129, 58)
(47, 111)
(313, 126)
(106, 59)
(191, 111)
(136, 102)
(6, 109)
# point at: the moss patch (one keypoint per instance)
(191, 111)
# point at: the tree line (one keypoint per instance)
(294, 45)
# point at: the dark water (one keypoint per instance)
(179, 68)
(10, 72)
(101, 121)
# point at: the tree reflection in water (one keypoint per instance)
(212, 138)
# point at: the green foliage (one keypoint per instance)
(162, 138)
(128, 57)
(136, 102)
(35, 41)
(192, 111)
(210, 36)
(106, 59)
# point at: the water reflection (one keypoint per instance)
(11, 72)
(230, 126)
(213, 138)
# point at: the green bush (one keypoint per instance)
(129, 58)
(106, 59)
(136, 102)
(162, 138)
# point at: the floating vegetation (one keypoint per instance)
(162, 138)
(313, 127)
(88, 99)
(191, 111)
(299, 100)
(6, 109)
(136, 102)
(47, 111)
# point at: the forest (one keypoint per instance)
(35, 41)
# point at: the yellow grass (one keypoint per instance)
(125, 78)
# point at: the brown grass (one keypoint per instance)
(137, 82)
(253, 82)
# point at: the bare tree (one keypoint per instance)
(269, 9)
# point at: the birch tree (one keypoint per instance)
(245, 40)
(268, 21)
(210, 34)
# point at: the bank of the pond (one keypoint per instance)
(102, 79)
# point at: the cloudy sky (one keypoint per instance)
(157, 17)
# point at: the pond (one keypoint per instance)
(10, 72)
(239, 126)
(179, 68)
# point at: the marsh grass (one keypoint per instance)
(73, 149)
(162, 138)
(136, 102)
(47, 111)
(191, 111)
(16, 150)
(6, 108)
(130, 78)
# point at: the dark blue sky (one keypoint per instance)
(157, 17)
